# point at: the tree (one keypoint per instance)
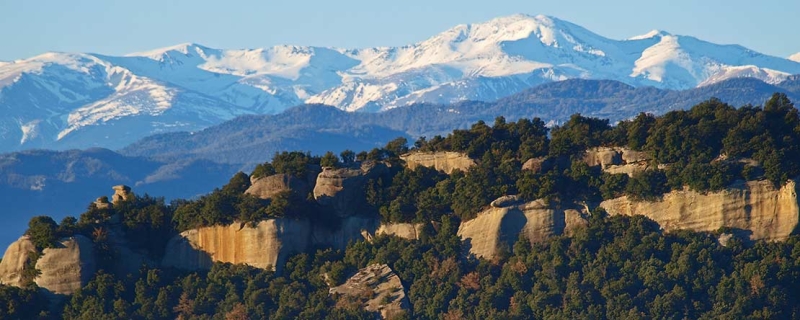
(329, 160)
(348, 157)
(42, 231)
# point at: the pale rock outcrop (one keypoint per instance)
(502, 224)
(756, 208)
(64, 269)
(538, 165)
(68, 267)
(268, 187)
(602, 156)
(377, 288)
(442, 161)
(266, 245)
(14, 260)
(121, 193)
(343, 189)
(617, 160)
(408, 231)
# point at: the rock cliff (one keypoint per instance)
(754, 208)
(342, 189)
(267, 245)
(377, 289)
(442, 161)
(64, 269)
(509, 217)
(268, 187)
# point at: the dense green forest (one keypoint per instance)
(617, 267)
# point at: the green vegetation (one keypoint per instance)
(617, 267)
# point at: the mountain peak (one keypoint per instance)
(186, 49)
(652, 34)
(795, 57)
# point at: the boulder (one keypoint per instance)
(64, 269)
(502, 224)
(756, 209)
(266, 246)
(377, 289)
(343, 189)
(538, 165)
(442, 161)
(268, 187)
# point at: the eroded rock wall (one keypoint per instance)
(266, 246)
(64, 269)
(502, 225)
(442, 161)
(755, 208)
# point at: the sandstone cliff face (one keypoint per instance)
(67, 268)
(267, 245)
(270, 242)
(755, 208)
(14, 260)
(343, 189)
(377, 289)
(442, 161)
(268, 187)
(502, 224)
(64, 269)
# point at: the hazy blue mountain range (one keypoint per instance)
(250, 139)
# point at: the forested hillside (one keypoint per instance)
(612, 267)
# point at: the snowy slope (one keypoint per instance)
(66, 100)
(795, 57)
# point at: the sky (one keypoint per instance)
(115, 27)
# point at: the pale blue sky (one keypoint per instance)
(30, 27)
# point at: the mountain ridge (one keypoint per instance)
(79, 100)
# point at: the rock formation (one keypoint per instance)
(270, 242)
(754, 208)
(538, 165)
(509, 217)
(64, 269)
(267, 245)
(268, 187)
(617, 160)
(377, 289)
(442, 161)
(342, 189)
(121, 193)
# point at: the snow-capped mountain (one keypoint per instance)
(795, 57)
(68, 100)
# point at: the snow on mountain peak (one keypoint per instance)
(652, 34)
(192, 85)
(795, 57)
